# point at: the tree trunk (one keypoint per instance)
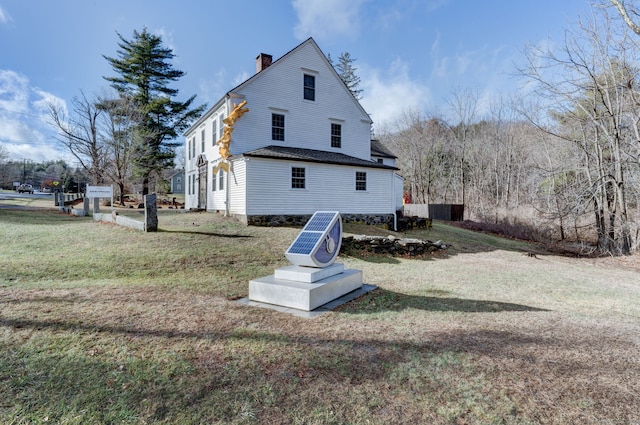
(145, 185)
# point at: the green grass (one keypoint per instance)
(100, 324)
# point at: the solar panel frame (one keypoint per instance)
(307, 248)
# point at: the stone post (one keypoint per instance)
(85, 205)
(150, 213)
(96, 205)
(61, 201)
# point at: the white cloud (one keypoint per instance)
(388, 94)
(24, 129)
(241, 78)
(4, 16)
(14, 95)
(326, 18)
(212, 89)
(433, 5)
(483, 69)
(167, 39)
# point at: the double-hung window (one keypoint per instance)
(298, 178)
(221, 179)
(213, 181)
(214, 130)
(361, 180)
(309, 87)
(277, 127)
(336, 135)
(202, 134)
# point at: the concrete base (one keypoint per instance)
(308, 274)
(302, 295)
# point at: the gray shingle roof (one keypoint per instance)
(378, 149)
(312, 155)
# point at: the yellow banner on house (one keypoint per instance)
(225, 140)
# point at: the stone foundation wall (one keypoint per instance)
(383, 220)
(389, 245)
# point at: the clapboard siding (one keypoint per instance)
(328, 187)
(279, 89)
(237, 188)
(263, 186)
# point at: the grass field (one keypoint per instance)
(106, 325)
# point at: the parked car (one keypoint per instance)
(25, 188)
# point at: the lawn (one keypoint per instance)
(102, 325)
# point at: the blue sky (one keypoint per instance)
(411, 54)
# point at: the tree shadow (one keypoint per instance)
(204, 233)
(381, 300)
(371, 258)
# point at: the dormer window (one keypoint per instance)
(309, 87)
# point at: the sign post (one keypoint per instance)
(100, 192)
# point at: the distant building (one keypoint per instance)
(304, 145)
(177, 182)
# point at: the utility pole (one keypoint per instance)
(24, 170)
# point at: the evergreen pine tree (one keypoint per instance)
(144, 74)
(347, 73)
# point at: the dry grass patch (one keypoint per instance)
(145, 330)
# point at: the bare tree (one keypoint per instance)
(590, 86)
(117, 134)
(626, 12)
(464, 109)
(79, 133)
(4, 154)
(422, 148)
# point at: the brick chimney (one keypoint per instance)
(263, 61)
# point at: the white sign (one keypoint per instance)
(99, 191)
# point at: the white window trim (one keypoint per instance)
(284, 113)
(355, 182)
(341, 124)
(306, 175)
(314, 74)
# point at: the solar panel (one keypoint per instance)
(318, 244)
(305, 242)
(319, 221)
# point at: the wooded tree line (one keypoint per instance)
(569, 150)
(42, 175)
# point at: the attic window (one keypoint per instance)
(336, 135)
(309, 87)
(277, 127)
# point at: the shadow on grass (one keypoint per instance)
(382, 300)
(219, 235)
(36, 216)
(371, 257)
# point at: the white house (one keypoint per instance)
(303, 145)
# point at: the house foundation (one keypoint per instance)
(280, 220)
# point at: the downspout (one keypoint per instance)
(226, 190)
(393, 201)
(226, 195)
